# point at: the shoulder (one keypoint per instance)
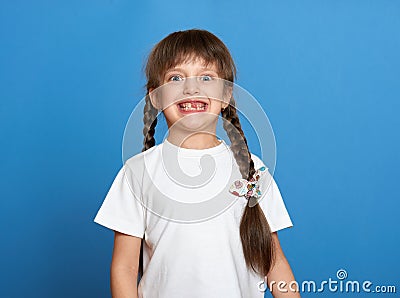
(138, 158)
(139, 163)
(257, 161)
(267, 179)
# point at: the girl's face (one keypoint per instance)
(191, 95)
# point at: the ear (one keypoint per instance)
(153, 99)
(227, 96)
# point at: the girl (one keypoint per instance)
(185, 247)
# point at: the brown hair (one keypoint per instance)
(179, 47)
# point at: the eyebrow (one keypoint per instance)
(180, 69)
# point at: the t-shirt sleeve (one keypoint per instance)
(271, 201)
(121, 209)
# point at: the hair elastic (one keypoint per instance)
(248, 188)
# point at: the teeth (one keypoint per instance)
(188, 106)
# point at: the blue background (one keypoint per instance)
(326, 72)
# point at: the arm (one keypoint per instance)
(124, 266)
(281, 271)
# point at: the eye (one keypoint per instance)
(175, 78)
(206, 78)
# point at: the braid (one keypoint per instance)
(150, 121)
(238, 141)
(255, 232)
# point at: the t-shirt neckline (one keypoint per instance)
(221, 147)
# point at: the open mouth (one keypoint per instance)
(192, 106)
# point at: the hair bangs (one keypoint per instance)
(184, 46)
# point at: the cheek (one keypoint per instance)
(170, 111)
(214, 91)
(169, 95)
(216, 106)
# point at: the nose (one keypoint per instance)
(190, 86)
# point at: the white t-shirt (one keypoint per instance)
(190, 220)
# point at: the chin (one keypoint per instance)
(196, 122)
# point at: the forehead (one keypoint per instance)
(194, 63)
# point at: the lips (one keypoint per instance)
(190, 106)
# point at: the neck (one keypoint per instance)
(200, 140)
